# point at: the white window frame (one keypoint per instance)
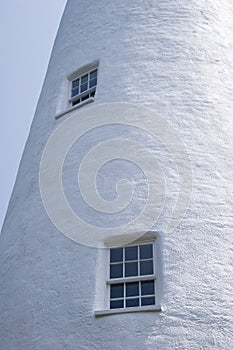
(156, 276)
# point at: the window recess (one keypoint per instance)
(132, 280)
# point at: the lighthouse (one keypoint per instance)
(119, 227)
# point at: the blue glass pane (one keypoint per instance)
(146, 251)
(117, 290)
(148, 288)
(148, 301)
(75, 92)
(146, 267)
(93, 74)
(84, 79)
(85, 97)
(132, 302)
(83, 87)
(92, 83)
(116, 254)
(75, 83)
(116, 271)
(76, 102)
(132, 289)
(131, 253)
(116, 304)
(131, 269)
(92, 94)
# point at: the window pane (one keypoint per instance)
(93, 74)
(146, 251)
(85, 97)
(84, 79)
(148, 301)
(148, 288)
(131, 269)
(117, 290)
(132, 289)
(116, 304)
(83, 87)
(75, 92)
(75, 83)
(132, 302)
(76, 102)
(116, 271)
(92, 83)
(131, 253)
(146, 267)
(116, 254)
(92, 94)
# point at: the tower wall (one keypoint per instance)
(174, 57)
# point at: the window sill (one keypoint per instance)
(73, 108)
(99, 313)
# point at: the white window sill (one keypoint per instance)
(151, 308)
(73, 108)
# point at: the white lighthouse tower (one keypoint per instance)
(119, 227)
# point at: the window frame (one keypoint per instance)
(127, 279)
(89, 92)
(104, 283)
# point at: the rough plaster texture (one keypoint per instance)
(174, 56)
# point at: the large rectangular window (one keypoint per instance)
(132, 276)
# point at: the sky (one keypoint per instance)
(27, 32)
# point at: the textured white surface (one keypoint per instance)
(176, 58)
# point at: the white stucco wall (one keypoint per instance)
(174, 57)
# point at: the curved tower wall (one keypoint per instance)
(174, 57)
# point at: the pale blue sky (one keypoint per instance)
(27, 30)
